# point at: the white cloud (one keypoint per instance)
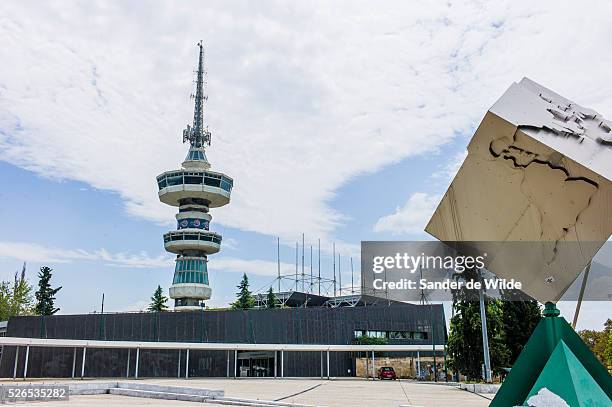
(590, 316)
(32, 252)
(411, 218)
(230, 243)
(252, 267)
(450, 168)
(303, 96)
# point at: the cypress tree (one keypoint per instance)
(271, 299)
(158, 301)
(245, 297)
(45, 296)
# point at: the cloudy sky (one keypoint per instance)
(341, 120)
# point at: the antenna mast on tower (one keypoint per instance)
(198, 134)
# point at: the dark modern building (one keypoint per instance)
(398, 323)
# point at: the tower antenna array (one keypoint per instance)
(198, 134)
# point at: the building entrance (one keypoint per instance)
(255, 364)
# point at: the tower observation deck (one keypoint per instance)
(194, 189)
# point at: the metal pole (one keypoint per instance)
(277, 264)
(235, 363)
(296, 266)
(178, 369)
(485, 339)
(25, 363)
(352, 278)
(127, 370)
(334, 254)
(433, 342)
(373, 366)
(339, 274)
(435, 365)
(275, 363)
(303, 263)
(73, 362)
(328, 364)
(83, 362)
(137, 363)
(282, 364)
(581, 295)
(418, 364)
(319, 266)
(16, 360)
(362, 287)
(228, 364)
(445, 368)
(311, 280)
(187, 365)
(321, 353)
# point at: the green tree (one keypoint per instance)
(245, 298)
(6, 299)
(45, 296)
(370, 340)
(519, 319)
(21, 295)
(500, 354)
(271, 299)
(158, 301)
(465, 351)
(16, 297)
(597, 341)
(608, 353)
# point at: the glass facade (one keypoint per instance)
(203, 237)
(181, 177)
(196, 155)
(188, 302)
(190, 270)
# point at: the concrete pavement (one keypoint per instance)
(330, 393)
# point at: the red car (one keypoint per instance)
(387, 372)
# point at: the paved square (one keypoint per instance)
(330, 393)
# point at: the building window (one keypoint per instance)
(395, 335)
(197, 178)
(175, 180)
(419, 335)
(399, 335)
(190, 270)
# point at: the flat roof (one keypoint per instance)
(76, 343)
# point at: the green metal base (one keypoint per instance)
(565, 376)
(554, 353)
